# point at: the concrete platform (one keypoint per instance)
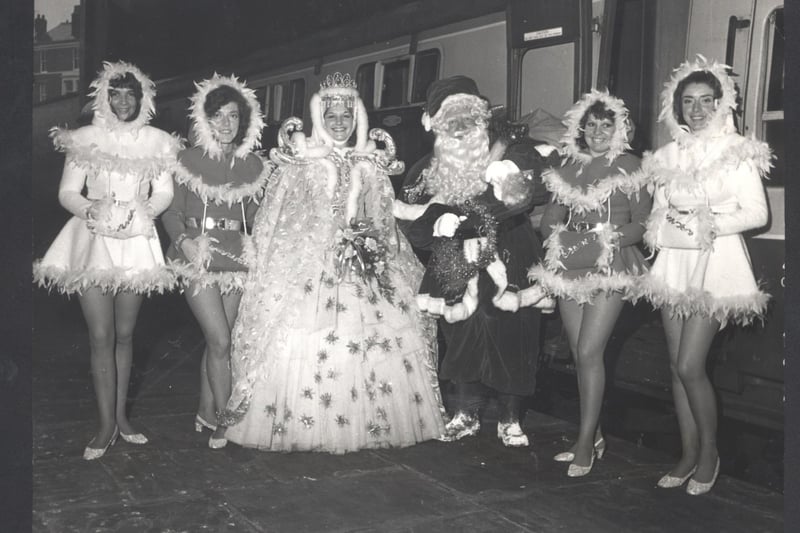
(176, 484)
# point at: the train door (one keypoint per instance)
(749, 369)
(550, 55)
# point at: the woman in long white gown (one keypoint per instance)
(329, 351)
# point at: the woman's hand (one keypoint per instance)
(189, 248)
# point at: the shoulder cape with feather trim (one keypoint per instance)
(224, 194)
(89, 157)
(596, 194)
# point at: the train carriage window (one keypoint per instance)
(365, 80)
(395, 83)
(426, 71)
(283, 100)
(772, 106)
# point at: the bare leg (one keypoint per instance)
(696, 338)
(126, 309)
(209, 310)
(673, 326)
(597, 325)
(206, 408)
(98, 311)
(572, 316)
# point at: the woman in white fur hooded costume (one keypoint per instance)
(709, 181)
(329, 351)
(109, 253)
(217, 183)
(594, 220)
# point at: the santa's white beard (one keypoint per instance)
(458, 167)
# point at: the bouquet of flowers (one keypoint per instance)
(359, 251)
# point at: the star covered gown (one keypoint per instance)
(323, 359)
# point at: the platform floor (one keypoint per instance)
(176, 484)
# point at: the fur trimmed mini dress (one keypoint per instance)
(130, 170)
(720, 174)
(608, 201)
(214, 190)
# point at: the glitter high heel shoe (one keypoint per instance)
(217, 444)
(134, 438)
(90, 454)
(696, 488)
(668, 481)
(580, 471)
(568, 457)
(200, 423)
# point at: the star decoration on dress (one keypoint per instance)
(386, 345)
(385, 387)
(307, 421)
(331, 338)
(287, 413)
(399, 342)
(330, 303)
(381, 413)
(407, 364)
(372, 376)
(373, 429)
(325, 399)
(353, 347)
(317, 377)
(271, 410)
(417, 398)
(330, 282)
(354, 394)
(308, 393)
(371, 342)
(278, 429)
(403, 306)
(378, 316)
(322, 356)
(341, 308)
(333, 374)
(342, 421)
(308, 287)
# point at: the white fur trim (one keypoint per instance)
(583, 289)
(103, 114)
(223, 194)
(110, 280)
(91, 159)
(189, 273)
(202, 124)
(741, 309)
(467, 306)
(596, 194)
(572, 120)
(721, 121)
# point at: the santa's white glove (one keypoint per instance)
(447, 224)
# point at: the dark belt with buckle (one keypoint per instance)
(583, 227)
(209, 223)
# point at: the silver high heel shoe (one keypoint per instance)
(134, 438)
(668, 481)
(696, 488)
(90, 454)
(568, 457)
(217, 444)
(200, 423)
(580, 471)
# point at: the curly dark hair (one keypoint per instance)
(698, 76)
(600, 112)
(128, 81)
(223, 95)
